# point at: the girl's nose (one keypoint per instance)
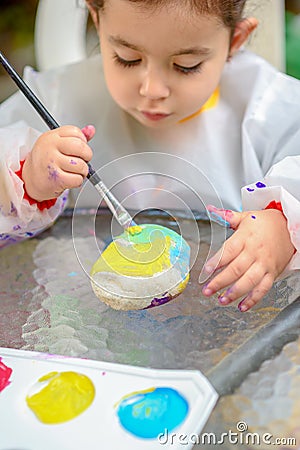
(154, 87)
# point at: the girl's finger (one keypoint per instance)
(228, 252)
(257, 294)
(70, 180)
(89, 132)
(74, 165)
(225, 217)
(248, 282)
(233, 273)
(71, 146)
(70, 131)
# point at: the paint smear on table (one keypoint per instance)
(148, 413)
(5, 373)
(61, 396)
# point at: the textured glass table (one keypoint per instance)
(253, 359)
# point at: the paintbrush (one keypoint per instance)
(118, 211)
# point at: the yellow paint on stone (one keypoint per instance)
(140, 259)
(136, 229)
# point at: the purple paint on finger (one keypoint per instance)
(74, 163)
(13, 209)
(52, 173)
(253, 217)
(242, 307)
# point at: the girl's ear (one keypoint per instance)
(241, 33)
(94, 15)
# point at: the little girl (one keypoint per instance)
(172, 79)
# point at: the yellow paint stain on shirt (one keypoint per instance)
(211, 103)
(140, 259)
(66, 395)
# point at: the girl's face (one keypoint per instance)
(160, 66)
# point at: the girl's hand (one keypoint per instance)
(252, 258)
(58, 161)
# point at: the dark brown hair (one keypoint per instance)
(228, 11)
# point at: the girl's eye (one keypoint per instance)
(188, 70)
(125, 62)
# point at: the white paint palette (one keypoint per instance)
(98, 427)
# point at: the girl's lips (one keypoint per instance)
(154, 116)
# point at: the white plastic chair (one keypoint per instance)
(268, 40)
(60, 33)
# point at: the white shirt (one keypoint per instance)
(250, 135)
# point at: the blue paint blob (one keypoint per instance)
(148, 413)
(250, 189)
(260, 185)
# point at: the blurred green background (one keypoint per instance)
(17, 28)
(16, 37)
(292, 23)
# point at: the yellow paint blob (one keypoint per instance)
(140, 259)
(65, 396)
